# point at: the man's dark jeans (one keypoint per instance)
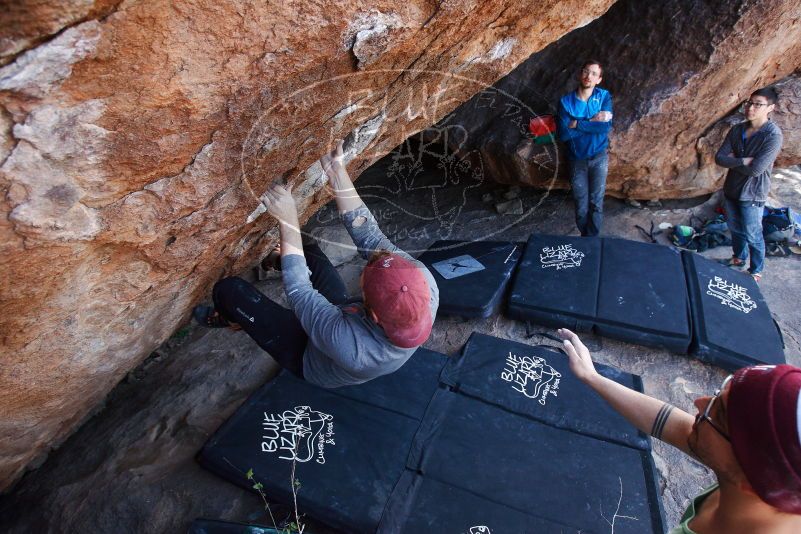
(588, 179)
(745, 223)
(274, 328)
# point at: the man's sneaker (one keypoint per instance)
(756, 276)
(734, 263)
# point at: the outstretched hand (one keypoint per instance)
(280, 204)
(332, 159)
(578, 354)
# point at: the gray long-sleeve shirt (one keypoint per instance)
(749, 183)
(345, 346)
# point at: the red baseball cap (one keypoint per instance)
(398, 293)
(764, 418)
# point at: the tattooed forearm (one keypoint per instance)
(661, 419)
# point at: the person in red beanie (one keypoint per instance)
(325, 338)
(747, 433)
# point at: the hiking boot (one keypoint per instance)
(733, 262)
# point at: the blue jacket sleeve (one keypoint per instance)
(563, 120)
(597, 127)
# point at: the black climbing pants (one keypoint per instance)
(274, 328)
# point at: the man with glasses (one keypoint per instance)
(747, 433)
(584, 123)
(749, 150)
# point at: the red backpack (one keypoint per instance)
(543, 128)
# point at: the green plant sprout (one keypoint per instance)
(295, 526)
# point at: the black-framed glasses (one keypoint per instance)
(705, 415)
(749, 104)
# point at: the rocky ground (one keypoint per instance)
(131, 468)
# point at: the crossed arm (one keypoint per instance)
(648, 414)
(725, 156)
(753, 166)
(570, 128)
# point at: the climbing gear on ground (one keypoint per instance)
(778, 224)
(649, 234)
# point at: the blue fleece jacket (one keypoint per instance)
(588, 138)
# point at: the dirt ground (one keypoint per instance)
(131, 467)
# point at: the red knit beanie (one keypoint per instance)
(764, 416)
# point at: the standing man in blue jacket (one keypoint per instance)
(585, 119)
(749, 150)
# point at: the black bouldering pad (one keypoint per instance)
(558, 475)
(732, 323)
(349, 454)
(216, 526)
(422, 505)
(642, 296)
(556, 283)
(472, 276)
(407, 391)
(536, 382)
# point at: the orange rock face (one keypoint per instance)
(26, 23)
(136, 138)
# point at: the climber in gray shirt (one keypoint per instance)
(749, 150)
(325, 338)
